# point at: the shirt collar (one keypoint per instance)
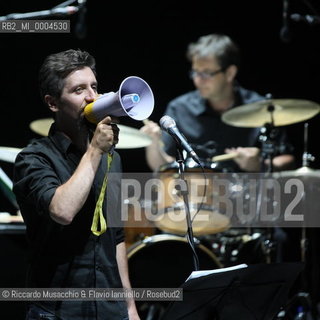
(62, 142)
(204, 107)
(201, 105)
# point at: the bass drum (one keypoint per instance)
(137, 227)
(164, 261)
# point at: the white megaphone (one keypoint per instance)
(134, 99)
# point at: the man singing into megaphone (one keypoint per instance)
(66, 196)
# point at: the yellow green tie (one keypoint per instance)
(98, 218)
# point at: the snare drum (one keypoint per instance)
(202, 194)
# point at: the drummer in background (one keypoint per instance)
(215, 61)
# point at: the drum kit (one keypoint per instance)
(284, 112)
(159, 251)
(160, 258)
(279, 112)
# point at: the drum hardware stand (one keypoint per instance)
(302, 300)
(180, 161)
(303, 297)
(306, 157)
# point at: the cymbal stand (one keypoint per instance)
(306, 157)
(301, 301)
(303, 297)
(184, 193)
(267, 139)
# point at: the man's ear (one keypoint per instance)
(51, 102)
(231, 72)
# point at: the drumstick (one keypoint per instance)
(146, 121)
(224, 157)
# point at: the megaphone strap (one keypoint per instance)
(98, 218)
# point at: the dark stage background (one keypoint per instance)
(149, 40)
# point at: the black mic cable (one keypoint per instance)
(285, 34)
(81, 27)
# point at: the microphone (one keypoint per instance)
(81, 28)
(285, 34)
(66, 11)
(309, 19)
(169, 125)
(57, 11)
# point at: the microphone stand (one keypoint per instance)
(184, 192)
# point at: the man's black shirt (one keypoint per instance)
(68, 256)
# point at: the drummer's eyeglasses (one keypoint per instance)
(205, 75)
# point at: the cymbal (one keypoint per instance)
(286, 111)
(129, 138)
(9, 154)
(205, 222)
(41, 126)
(303, 173)
(6, 217)
(6, 186)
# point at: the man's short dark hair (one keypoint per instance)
(220, 46)
(56, 67)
